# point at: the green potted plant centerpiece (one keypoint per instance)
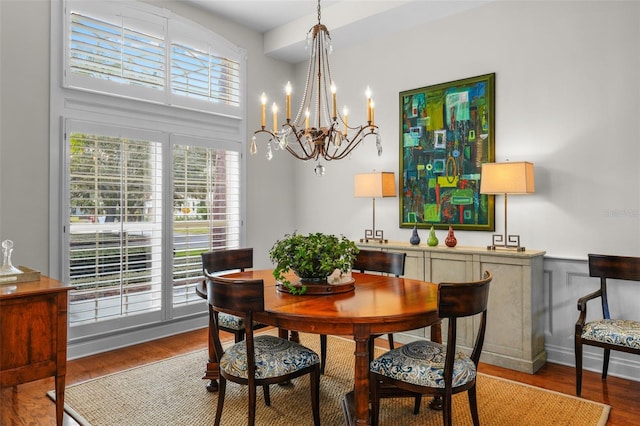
(312, 258)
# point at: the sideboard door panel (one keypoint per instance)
(22, 323)
(506, 311)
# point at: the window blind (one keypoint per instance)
(204, 75)
(115, 218)
(116, 51)
(206, 212)
(131, 52)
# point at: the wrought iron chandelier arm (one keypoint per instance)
(354, 142)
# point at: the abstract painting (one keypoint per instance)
(446, 133)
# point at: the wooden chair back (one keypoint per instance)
(227, 260)
(235, 297)
(380, 261)
(456, 300)
(217, 261)
(612, 267)
(464, 299)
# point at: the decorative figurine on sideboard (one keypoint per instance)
(451, 239)
(415, 238)
(7, 267)
(432, 241)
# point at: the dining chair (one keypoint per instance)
(218, 261)
(386, 262)
(608, 333)
(429, 368)
(259, 360)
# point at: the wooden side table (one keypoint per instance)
(33, 334)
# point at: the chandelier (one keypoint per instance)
(318, 130)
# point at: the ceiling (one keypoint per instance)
(285, 23)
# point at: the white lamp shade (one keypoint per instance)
(507, 178)
(374, 185)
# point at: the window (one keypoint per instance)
(116, 51)
(116, 220)
(206, 207)
(115, 215)
(122, 50)
(203, 75)
(145, 187)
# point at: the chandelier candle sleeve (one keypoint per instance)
(372, 104)
(306, 121)
(274, 109)
(345, 120)
(368, 93)
(263, 99)
(288, 92)
(334, 109)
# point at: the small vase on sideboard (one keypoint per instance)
(415, 238)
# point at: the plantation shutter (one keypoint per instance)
(204, 75)
(119, 49)
(206, 212)
(115, 224)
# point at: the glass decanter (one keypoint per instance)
(7, 267)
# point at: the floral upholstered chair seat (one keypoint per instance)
(614, 332)
(231, 321)
(274, 357)
(422, 363)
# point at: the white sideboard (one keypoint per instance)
(515, 318)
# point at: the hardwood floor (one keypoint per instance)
(27, 404)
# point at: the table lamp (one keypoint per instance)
(374, 185)
(507, 178)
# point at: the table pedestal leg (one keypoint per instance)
(294, 336)
(356, 403)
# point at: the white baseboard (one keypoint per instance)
(103, 343)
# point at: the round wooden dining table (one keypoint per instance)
(377, 305)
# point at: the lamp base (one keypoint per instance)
(511, 243)
(374, 235)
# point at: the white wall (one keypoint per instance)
(24, 131)
(567, 93)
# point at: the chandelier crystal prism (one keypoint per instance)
(318, 131)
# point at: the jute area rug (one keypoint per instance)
(171, 392)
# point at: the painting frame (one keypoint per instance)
(447, 131)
